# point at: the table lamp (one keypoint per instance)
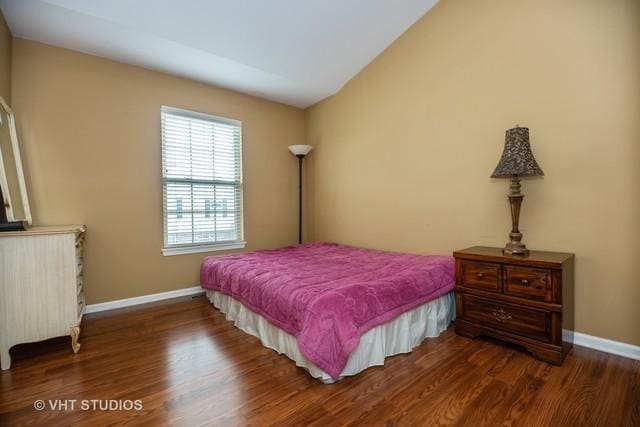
(517, 160)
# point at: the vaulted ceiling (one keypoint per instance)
(293, 51)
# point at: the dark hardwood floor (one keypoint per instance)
(189, 366)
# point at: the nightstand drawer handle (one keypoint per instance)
(479, 275)
(525, 282)
(501, 315)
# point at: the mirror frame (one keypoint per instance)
(18, 162)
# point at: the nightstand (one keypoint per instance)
(524, 300)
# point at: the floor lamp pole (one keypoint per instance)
(300, 151)
(300, 157)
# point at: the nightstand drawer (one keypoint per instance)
(531, 283)
(520, 320)
(481, 275)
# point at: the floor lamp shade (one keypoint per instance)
(300, 151)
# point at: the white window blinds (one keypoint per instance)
(201, 177)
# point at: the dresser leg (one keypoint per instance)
(5, 359)
(75, 334)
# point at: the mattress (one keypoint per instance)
(400, 335)
(328, 295)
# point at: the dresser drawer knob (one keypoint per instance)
(479, 275)
(525, 282)
(501, 315)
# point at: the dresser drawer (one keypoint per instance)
(481, 275)
(527, 282)
(525, 321)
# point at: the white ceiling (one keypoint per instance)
(292, 51)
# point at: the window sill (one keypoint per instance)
(184, 250)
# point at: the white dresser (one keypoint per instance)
(41, 288)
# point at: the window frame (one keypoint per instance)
(189, 248)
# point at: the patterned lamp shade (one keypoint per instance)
(517, 158)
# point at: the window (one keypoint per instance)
(201, 181)
(179, 208)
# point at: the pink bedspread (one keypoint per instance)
(328, 295)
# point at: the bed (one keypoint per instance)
(333, 309)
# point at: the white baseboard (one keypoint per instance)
(127, 302)
(608, 346)
(584, 340)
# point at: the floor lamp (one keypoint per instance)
(300, 151)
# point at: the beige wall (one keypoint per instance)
(404, 151)
(89, 130)
(5, 59)
(402, 154)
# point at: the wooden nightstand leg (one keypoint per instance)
(549, 356)
(75, 334)
(466, 330)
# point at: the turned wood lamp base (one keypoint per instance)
(520, 249)
(515, 245)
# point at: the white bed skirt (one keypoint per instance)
(400, 335)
